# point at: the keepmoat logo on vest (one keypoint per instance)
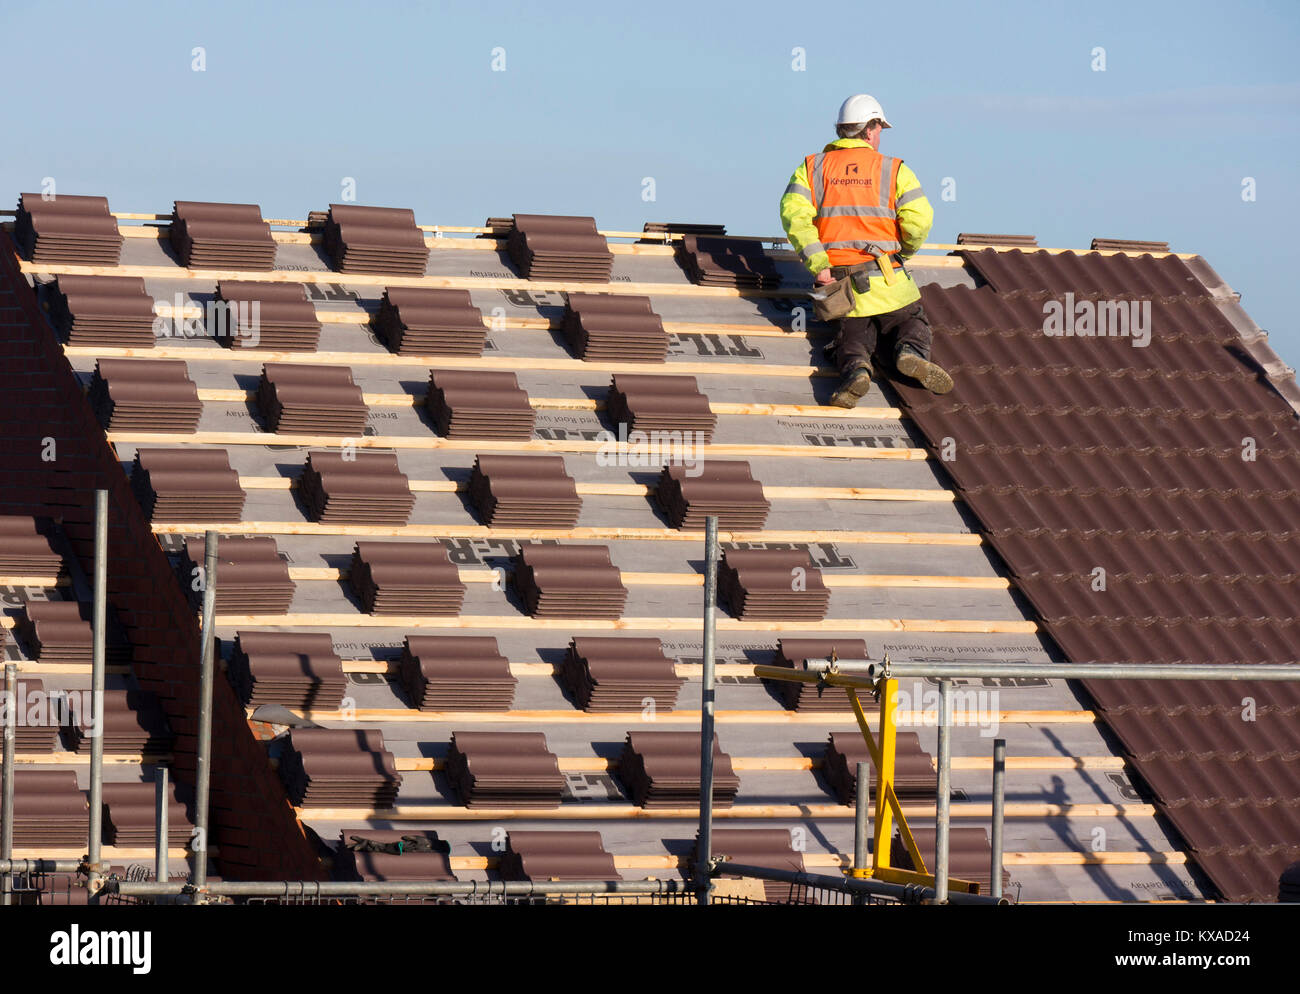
(1098, 319)
(75, 947)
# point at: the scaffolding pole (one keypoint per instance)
(704, 846)
(7, 800)
(298, 889)
(160, 870)
(8, 866)
(944, 798)
(861, 823)
(860, 816)
(100, 620)
(867, 672)
(999, 811)
(203, 765)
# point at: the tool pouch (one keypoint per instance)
(834, 300)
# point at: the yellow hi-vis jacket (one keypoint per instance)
(915, 216)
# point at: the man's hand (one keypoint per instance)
(822, 278)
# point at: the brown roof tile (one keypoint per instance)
(222, 236)
(1077, 453)
(67, 229)
(556, 856)
(456, 673)
(429, 321)
(375, 240)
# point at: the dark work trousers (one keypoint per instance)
(860, 339)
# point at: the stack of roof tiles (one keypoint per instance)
(187, 485)
(222, 236)
(504, 769)
(257, 315)
(569, 581)
(914, 774)
(795, 654)
(49, 809)
(556, 856)
(766, 847)
(56, 631)
(430, 321)
(780, 584)
(368, 489)
(113, 311)
(734, 262)
(662, 770)
(478, 403)
(290, 669)
(610, 326)
(375, 240)
(145, 395)
(970, 855)
(251, 576)
(969, 238)
(77, 230)
(36, 717)
(395, 854)
(315, 400)
(524, 492)
(499, 225)
(339, 767)
(1127, 245)
(719, 487)
(559, 248)
(619, 674)
(1083, 451)
(134, 724)
(679, 228)
(405, 578)
(130, 815)
(455, 673)
(24, 551)
(660, 403)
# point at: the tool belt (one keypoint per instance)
(834, 300)
(863, 271)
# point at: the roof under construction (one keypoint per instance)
(456, 595)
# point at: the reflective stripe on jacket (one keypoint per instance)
(914, 219)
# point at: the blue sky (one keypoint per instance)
(702, 97)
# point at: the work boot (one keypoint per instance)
(853, 385)
(930, 375)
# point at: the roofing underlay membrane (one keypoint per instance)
(1072, 453)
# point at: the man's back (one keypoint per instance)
(912, 217)
(855, 215)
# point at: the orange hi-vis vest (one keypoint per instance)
(853, 191)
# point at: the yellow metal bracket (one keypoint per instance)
(888, 808)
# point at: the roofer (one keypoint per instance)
(855, 216)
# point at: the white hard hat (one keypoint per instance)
(862, 108)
